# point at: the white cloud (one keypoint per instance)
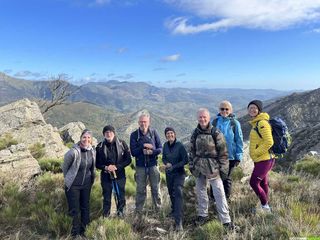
(99, 3)
(171, 58)
(254, 14)
(316, 30)
(122, 50)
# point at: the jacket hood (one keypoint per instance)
(259, 117)
(207, 130)
(230, 116)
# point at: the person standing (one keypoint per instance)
(145, 146)
(208, 162)
(260, 153)
(113, 155)
(227, 123)
(79, 172)
(174, 157)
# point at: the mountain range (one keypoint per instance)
(119, 103)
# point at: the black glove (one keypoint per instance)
(191, 168)
(169, 169)
(223, 175)
(236, 163)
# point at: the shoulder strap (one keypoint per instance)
(214, 122)
(257, 129)
(233, 125)
(213, 134)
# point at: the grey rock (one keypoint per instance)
(23, 120)
(18, 163)
(72, 132)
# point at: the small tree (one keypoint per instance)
(59, 92)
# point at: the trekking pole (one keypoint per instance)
(115, 188)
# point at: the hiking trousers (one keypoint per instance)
(175, 183)
(219, 196)
(259, 179)
(106, 184)
(143, 176)
(227, 183)
(78, 198)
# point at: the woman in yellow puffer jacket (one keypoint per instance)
(260, 151)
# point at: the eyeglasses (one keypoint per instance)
(224, 109)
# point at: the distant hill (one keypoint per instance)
(134, 96)
(114, 102)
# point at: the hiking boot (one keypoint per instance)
(120, 214)
(201, 220)
(178, 227)
(230, 226)
(263, 209)
(170, 215)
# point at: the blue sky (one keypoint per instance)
(167, 43)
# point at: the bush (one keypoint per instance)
(309, 165)
(130, 182)
(110, 229)
(12, 204)
(6, 141)
(37, 150)
(237, 174)
(51, 165)
(209, 231)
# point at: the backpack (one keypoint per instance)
(212, 133)
(280, 135)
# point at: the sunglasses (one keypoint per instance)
(224, 109)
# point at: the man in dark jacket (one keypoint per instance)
(113, 155)
(145, 146)
(208, 161)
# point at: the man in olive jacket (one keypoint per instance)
(208, 161)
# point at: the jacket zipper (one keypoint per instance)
(85, 169)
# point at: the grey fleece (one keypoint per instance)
(71, 164)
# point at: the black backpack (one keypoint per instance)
(280, 135)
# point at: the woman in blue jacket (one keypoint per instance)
(174, 158)
(227, 123)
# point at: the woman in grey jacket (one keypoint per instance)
(78, 170)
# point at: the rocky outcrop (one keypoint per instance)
(246, 164)
(24, 121)
(17, 162)
(305, 140)
(72, 132)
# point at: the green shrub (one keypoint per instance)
(110, 229)
(49, 208)
(130, 182)
(51, 165)
(309, 165)
(237, 174)
(69, 144)
(6, 141)
(96, 199)
(13, 203)
(211, 230)
(37, 150)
